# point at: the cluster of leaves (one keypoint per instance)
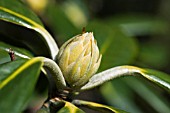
(21, 30)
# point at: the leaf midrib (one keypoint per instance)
(19, 70)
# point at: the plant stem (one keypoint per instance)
(56, 74)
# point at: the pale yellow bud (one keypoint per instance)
(79, 59)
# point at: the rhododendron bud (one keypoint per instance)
(79, 59)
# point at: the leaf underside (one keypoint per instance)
(159, 78)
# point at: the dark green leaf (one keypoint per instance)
(19, 9)
(17, 81)
(19, 26)
(19, 52)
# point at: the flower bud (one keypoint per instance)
(79, 59)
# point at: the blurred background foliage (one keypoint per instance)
(128, 32)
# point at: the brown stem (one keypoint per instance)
(83, 30)
(11, 54)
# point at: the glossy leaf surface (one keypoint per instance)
(17, 81)
(18, 52)
(98, 107)
(70, 108)
(25, 29)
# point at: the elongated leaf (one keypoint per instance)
(98, 107)
(17, 81)
(70, 108)
(157, 77)
(18, 51)
(22, 27)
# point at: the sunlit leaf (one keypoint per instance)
(70, 108)
(98, 107)
(17, 81)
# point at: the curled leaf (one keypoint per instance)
(160, 78)
(25, 28)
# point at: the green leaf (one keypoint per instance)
(137, 89)
(60, 106)
(17, 81)
(19, 52)
(97, 107)
(20, 26)
(160, 78)
(70, 108)
(116, 47)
